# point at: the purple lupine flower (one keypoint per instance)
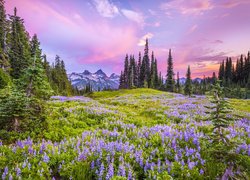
(203, 161)
(24, 164)
(122, 171)
(176, 158)
(101, 171)
(18, 171)
(20, 144)
(108, 158)
(228, 173)
(130, 174)
(146, 167)
(42, 147)
(182, 162)
(5, 173)
(141, 162)
(60, 167)
(110, 173)
(191, 165)
(201, 171)
(92, 165)
(152, 166)
(159, 165)
(45, 158)
(10, 177)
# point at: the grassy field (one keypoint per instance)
(127, 134)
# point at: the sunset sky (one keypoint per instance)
(94, 34)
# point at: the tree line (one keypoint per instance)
(237, 74)
(143, 73)
(22, 58)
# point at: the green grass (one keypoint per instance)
(241, 104)
(140, 108)
(134, 92)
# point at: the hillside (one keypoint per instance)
(137, 133)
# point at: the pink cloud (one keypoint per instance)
(191, 7)
(232, 3)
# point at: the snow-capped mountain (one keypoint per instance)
(183, 80)
(98, 80)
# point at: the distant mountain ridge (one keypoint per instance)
(98, 80)
(183, 80)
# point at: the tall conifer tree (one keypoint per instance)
(139, 84)
(156, 74)
(170, 73)
(178, 86)
(4, 62)
(126, 72)
(146, 66)
(188, 83)
(152, 71)
(19, 49)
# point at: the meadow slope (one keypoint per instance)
(126, 134)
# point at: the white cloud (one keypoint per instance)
(106, 8)
(133, 16)
(142, 41)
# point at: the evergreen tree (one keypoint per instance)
(4, 79)
(59, 80)
(139, 83)
(19, 49)
(132, 72)
(152, 71)
(14, 106)
(241, 70)
(156, 82)
(248, 82)
(178, 86)
(145, 71)
(122, 81)
(126, 72)
(204, 85)
(4, 62)
(221, 71)
(222, 148)
(34, 79)
(228, 72)
(160, 81)
(188, 83)
(47, 68)
(214, 78)
(170, 74)
(88, 89)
